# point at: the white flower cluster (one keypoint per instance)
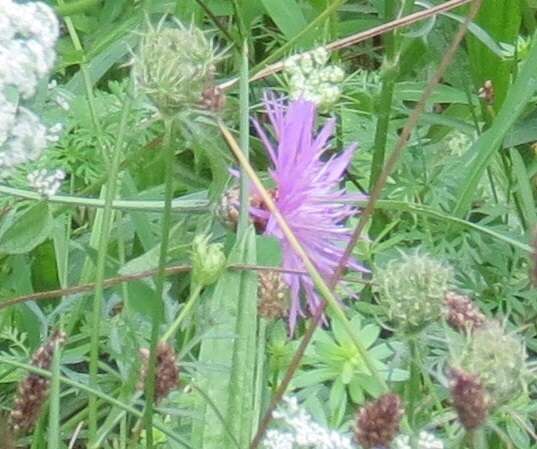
(459, 143)
(299, 431)
(312, 79)
(46, 182)
(28, 33)
(425, 440)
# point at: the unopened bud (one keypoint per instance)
(461, 313)
(208, 261)
(273, 295)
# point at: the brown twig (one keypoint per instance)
(362, 36)
(112, 281)
(366, 214)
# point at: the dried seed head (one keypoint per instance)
(227, 210)
(166, 373)
(487, 92)
(378, 421)
(412, 290)
(213, 99)
(470, 398)
(273, 295)
(500, 361)
(461, 313)
(174, 66)
(33, 390)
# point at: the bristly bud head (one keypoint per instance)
(273, 295)
(228, 210)
(208, 261)
(32, 391)
(470, 398)
(412, 289)
(461, 313)
(174, 66)
(166, 372)
(500, 361)
(378, 422)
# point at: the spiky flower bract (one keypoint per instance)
(308, 194)
(412, 289)
(174, 66)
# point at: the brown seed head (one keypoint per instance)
(273, 294)
(469, 398)
(461, 313)
(167, 372)
(32, 391)
(378, 422)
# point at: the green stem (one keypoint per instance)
(244, 141)
(413, 385)
(159, 281)
(184, 312)
(102, 248)
(178, 205)
(54, 405)
(390, 72)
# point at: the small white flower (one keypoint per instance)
(310, 78)
(425, 440)
(47, 183)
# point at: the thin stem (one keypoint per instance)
(244, 142)
(102, 248)
(159, 281)
(184, 312)
(54, 405)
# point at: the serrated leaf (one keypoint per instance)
(27, 230)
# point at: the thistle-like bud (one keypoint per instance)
(33, 390)
(312, 79)
(273, 295)
(174, 66)
(378, 422)
(412, 290)
(227, 210)
(208, 261)
(166, 372)
(498, 359)
(470, 398)
(461, 313)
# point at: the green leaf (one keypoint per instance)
(524, 191)
(287, 15)
(229, 350)
(27, 230)
(485, 147)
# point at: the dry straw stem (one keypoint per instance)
(363, 36)
(375, 195)
(110, 282)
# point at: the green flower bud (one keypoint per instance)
(412, 290)
(499, 359)
(208, 261)
(174, 66)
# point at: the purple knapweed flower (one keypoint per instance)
(308, 194)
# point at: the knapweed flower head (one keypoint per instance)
(312, 78)
(412, 290)
(175, 66)
(308, 194)
(469, 397)
(296, 429)
(499, 359)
